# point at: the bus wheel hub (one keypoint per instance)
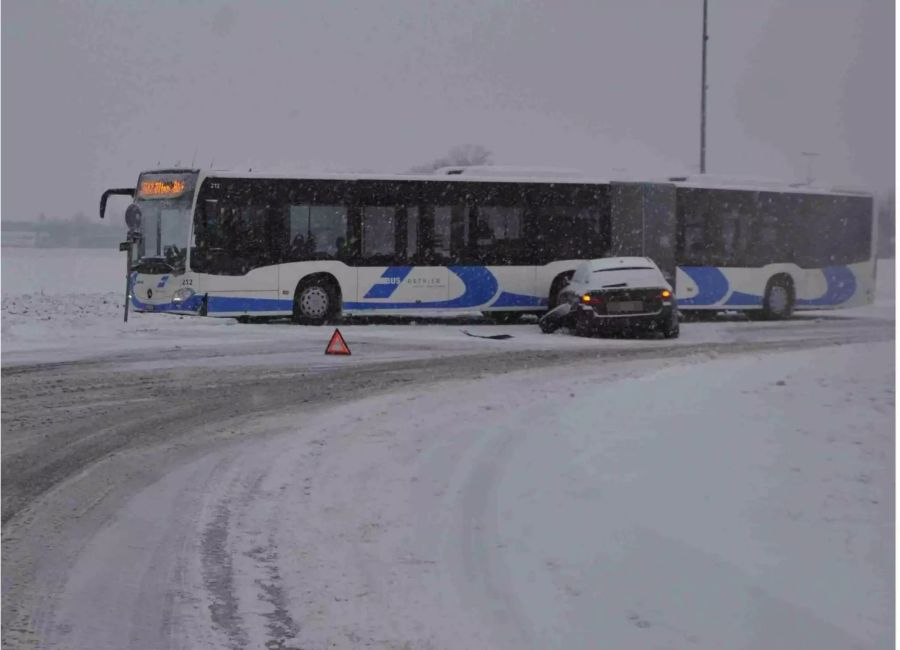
(314, 301)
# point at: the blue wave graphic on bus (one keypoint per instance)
(480, 286)
(395, 275)
(713, 286)
(841, 287)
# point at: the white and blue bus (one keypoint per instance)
(313, 247)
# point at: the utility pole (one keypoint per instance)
(703, 98)
(809, 158)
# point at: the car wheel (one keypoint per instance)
(778, 301)
(670, 327)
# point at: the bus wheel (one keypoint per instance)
(502, 317)
(315, 302)
(778, 302)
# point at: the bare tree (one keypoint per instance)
(460, 155)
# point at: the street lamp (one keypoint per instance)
(703, 98)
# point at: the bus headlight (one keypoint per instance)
(182, 295)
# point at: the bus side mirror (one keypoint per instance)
(133, 217)
(122, 191)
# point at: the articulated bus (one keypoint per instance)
(251, 245)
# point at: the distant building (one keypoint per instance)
(19, 238)
(60, 234)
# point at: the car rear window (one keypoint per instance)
(638, 276)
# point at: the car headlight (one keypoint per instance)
(182, 295)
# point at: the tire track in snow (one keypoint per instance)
(218, 579)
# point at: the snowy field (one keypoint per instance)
(196, 483)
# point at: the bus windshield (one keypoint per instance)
(165, 202)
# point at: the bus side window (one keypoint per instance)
(728, 221)
(206, 235)
(298, 231)
(412, 233)
(774, 229)
(498, 235)
(378, 234)
(692, 243)
(438, 252)
(327, 232)
(317, 232)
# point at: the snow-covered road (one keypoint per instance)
(740, 502)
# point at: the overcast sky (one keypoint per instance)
(94, 92)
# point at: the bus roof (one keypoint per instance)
(500, 174)
(504, 171)
(755, 184)
(503, 175)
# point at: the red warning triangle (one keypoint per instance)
(337, 344)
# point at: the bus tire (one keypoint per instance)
(317, 300)
(778, 300)
(559, 283)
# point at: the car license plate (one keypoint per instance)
(625, 307)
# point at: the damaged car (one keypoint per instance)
(616, 295)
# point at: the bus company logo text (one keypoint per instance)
(424, 282)
(413, 282)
